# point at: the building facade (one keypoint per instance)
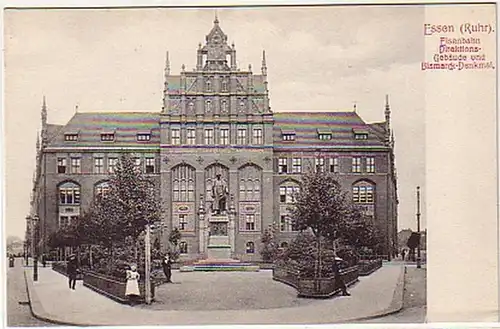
(216, 123)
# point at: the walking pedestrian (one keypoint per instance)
(72, 271)
(44, 260)
(339, 280)
(132, 288)
(167, 268)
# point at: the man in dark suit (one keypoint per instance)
(72, 271)
(339, 281)
(167, 268)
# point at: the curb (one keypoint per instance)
(396, 303)
(38, 311)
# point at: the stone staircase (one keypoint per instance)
(221, 265)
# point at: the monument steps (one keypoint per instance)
(224, 265)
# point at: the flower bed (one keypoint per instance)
(311, 287)
(367, 267)
(60, 267)
(112, 287)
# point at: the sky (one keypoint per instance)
(318, 59)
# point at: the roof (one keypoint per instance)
(125, 125)
(307, 125)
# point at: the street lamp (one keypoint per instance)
(35, 220)
(26, 239)
(147, 263)
(418, 227)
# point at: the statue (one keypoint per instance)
(219, 194)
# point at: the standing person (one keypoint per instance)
(132, 288)
(339, 281)
(403, 254)
(44, 261)
(167, 268)
(72, 271)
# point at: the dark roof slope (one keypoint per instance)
(307, 126)
(125, 125)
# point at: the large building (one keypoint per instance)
(216, 120)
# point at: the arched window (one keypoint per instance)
(101, 189)
(208, 84)
(183, 177)
(69, 193)
(208, 105)
(250, 183)
(363, 192)
(183, 247)
(250, 247)
(191, 106)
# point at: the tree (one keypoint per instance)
(413, 243)
(322, 207)
(122, 211)
(269, 249)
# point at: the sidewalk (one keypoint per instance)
(378, 294)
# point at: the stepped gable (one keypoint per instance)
(125, 125)
(307, 126)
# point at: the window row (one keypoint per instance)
(288, 165)
(220, 136)
(108, 136)
(146, 165)
(290, 135)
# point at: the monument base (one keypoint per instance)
(220, 265)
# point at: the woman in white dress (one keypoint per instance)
(132, 288)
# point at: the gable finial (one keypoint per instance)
(167, 65)
(216, 20)
(355, 106)
(264, 65)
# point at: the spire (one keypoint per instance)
(44, 122)
(167, 65)
(387, 113)
(264, 66)
(44, 113)
(355, 106)
(216, 20)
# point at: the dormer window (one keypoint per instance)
(360, 134)
(71, 136)
(324, 135)
(143, 136)
(107, 136)
(288, 135)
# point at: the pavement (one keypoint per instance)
(216, 298)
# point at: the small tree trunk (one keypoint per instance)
(90, 256)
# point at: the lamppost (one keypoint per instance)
(26, 238)
(35, 220)
(147, 263)
(418, 227)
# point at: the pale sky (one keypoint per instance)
(319, 59)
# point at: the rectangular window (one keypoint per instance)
(287, 193)
(107, 137)
(296, 165)
(63, 221)
(176, 136)
(143, 137)
(61, 165)
(183, 222)
(356, 164)
(287, 224)
(224, 136)
(319, 164)
(257, 136)
(288, 137)
(250, 222)
(360, 136)
(138, 164)
(282, 194)
(282, 165)
(112, 165)
(76, 167)
(191, 137)
(150, 165)
(242, 136)
(325, 137)
(70, 137)
(98, 165)
(334, 165)
(209, 136)
(370, 164)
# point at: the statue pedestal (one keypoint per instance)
(218, 244)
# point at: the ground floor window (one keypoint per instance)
(183, 247)
(250, 247)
